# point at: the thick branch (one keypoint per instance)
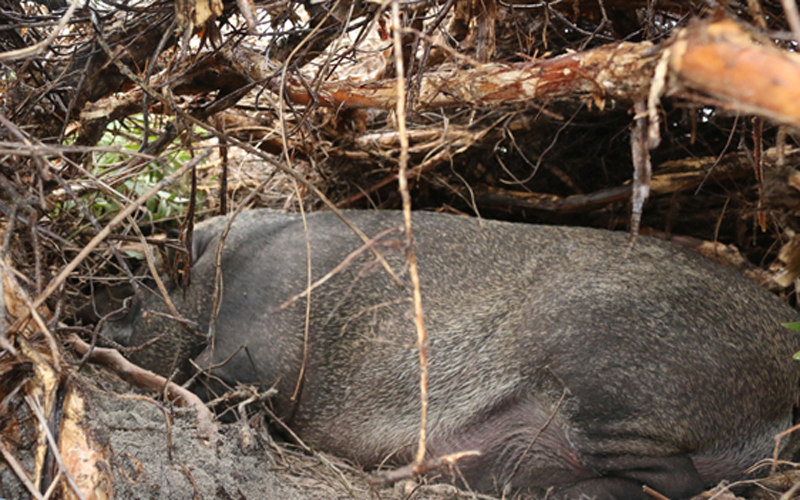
(135, 44)
(721, 60)
(617, 71)
(716, 58)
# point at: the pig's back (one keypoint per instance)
(662, 351)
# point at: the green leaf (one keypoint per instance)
(134, 254)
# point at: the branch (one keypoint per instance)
(718, 59)
(722, 61)
(616, 71)
(140, 377)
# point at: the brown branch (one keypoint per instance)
(206, 428)
(616, 71)
(413, 470)
(450, 143)
(490, 197)
(210, 73)
(653, 493)
(721, 60)
(715, 58)
(670, 177)
(34, 405)
(411, 257)
(136, 41)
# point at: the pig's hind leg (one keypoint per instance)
(524, 447)
(624, 477)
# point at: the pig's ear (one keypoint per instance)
(205, 236)
(200, 242)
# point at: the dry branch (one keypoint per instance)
(82, 463)
(416, 469)
(95, 77)
(206, 429)
(670, 178)
(620, 71)
(722, 61)
(716, 58)
(201, 77)
(494, 197)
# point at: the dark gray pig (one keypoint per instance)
(566, 363)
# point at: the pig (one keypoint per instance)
(575, 364)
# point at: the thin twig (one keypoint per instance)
(307, 323)
(20, 471)
(792, 17)
(653, 493)
(412, 258)
(13, 55)
(344, 264)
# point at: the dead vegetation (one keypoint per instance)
(122, 120)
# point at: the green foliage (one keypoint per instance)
(792, 326)
(796, 327)
(112, 165)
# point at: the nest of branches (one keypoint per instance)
(122, 123)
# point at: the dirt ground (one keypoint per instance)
(242, 462)
(247, 463)
(148, 459)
